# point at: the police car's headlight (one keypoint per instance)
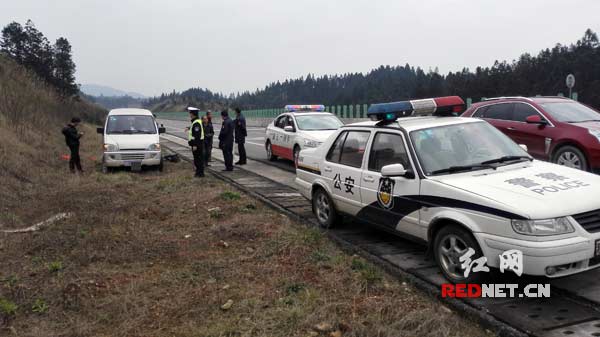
(111, 147)
(311, 143)
(595, 133)
(154, 147)
(543, 227)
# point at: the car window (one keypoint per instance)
(501, 111)
(290, 122)
(318, 122)
(570, 112)
(522, 111)
(130, 124)
(387, 149)
(354, 148)
(280, 123)
(336, 149)
(479, 113)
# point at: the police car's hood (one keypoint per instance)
(537, 190)
(318, 135)
(132, 142)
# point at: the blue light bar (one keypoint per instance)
(305, 107)
(440, 106)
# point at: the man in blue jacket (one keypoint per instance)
(226, 140)
(240, 135)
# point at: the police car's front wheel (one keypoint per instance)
(323, 208)
(451, 243)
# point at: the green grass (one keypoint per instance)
(8, 308)
(40, 306)
(228, 195)
(55, 266)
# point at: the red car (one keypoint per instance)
(556, 129)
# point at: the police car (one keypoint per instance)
(455, 183)
(299, 127)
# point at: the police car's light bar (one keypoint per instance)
(305, 107)
(441, 106)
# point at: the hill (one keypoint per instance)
(528, 75)
(103, 90)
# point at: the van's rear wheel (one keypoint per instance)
(296, 155)
(323, 209)
(450, 243)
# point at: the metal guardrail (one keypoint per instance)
(342, 111)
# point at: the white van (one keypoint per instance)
(131, 139)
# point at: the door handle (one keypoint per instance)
(511, 128)
(369, 179)
(327, 169)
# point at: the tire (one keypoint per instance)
(161, 166)
(269, 149)
(323, 209)
(296, 155)
(570, 156)
(447, 254)
(105, 169)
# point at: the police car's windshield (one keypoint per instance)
(464, 146)
(130, 124)
(318, 122)
(571, 112)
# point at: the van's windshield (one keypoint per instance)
(130, 124)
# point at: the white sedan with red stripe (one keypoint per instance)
(301, 126)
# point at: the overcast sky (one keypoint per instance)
(153, 46)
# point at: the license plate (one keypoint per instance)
(136, 166)
(597, 253)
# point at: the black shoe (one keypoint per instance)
(243, 163)
(199, 176)
(227, 170)
(238, 163)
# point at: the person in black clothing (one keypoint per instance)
(72, 136)
(196, 141)
(240, 135)
(209, 132)
(226, 140)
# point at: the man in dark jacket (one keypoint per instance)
(209, 132)
(226, 140)
(72, 136)
(196, 141)
(240, 135)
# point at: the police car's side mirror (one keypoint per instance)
(524, 147)
(393, 170)
(100, 130)
(288, 128)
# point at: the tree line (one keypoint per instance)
(528, 75)
(53, 63)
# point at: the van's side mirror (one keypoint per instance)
(393, 170)
(100, 130)
(162, 130)
(536, 119)
(288, 128)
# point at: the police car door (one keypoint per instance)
(277, 134)
(342, 169)
(387, 200)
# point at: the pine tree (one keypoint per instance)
(64, 68)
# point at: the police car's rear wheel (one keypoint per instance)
(323, 208)
(269, 149)
(452, 242)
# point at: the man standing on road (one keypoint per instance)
(208, 136)
(72, 136)
(196, 141)
(240, 135)
(226, 140)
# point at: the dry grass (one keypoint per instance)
(142, 256)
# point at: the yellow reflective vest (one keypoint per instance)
(190, 135)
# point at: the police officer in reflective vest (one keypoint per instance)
(196, 141)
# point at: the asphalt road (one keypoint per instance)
(255, 142)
